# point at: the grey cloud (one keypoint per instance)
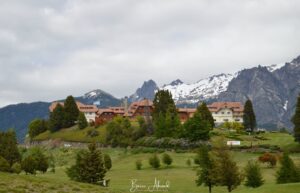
(49, 49)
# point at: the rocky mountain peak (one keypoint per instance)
(296, 60)
(176, 82)
(147, 90)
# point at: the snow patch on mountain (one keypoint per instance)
(274, 67)
(206, 88)
(96, 94)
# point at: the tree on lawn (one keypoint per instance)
(89, 166)
(249, 116)
(71, 112)
(226, 169)
(288, 172)
(56, 121)
(254, 177)
(167, 160)
(8, 147)
(296, 121)
(206, 173)
(82, 122)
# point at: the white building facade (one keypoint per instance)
(226, 112)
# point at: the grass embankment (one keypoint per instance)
(181, 176)
(283, 140)
(74, 134)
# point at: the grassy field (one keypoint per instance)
(181, 176)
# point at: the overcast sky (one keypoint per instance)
(53, 48)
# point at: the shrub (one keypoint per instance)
(29, 165)
(40, 159)
(268, 158)
(288, 172)
(4, 165)
(253, 175)
(89, 167)
(154, 161)
(16, 168)
(167, 159)
(138, 164)
(188, 162)
(107, 162)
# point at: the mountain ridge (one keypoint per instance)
(273, 90)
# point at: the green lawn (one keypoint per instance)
(181, 177)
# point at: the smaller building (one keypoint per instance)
(226, 112)
(139, 108)
(88, 110)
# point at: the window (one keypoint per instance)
(228, 112)
(237, 119)
(225, 120)
(215, 120)
(223, 113)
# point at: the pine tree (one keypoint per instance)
(226, 169)
(253, 175)
(56, 121)
(249, 116)
(167, 159)
(288, 172)
(71, 112)
(8, 147)
(82, 122)
(206, 114)
(206, 174)
(196, 128)
(296, 121)
(165, 116)
(89, 166)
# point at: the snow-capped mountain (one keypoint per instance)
(99, 98)
(206, 88)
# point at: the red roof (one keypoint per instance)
(82, 107)
(217, 106)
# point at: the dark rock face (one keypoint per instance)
(273, 94)
(289, 75)
(146, 91)
(176, 82)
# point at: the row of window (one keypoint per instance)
(226, 120)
